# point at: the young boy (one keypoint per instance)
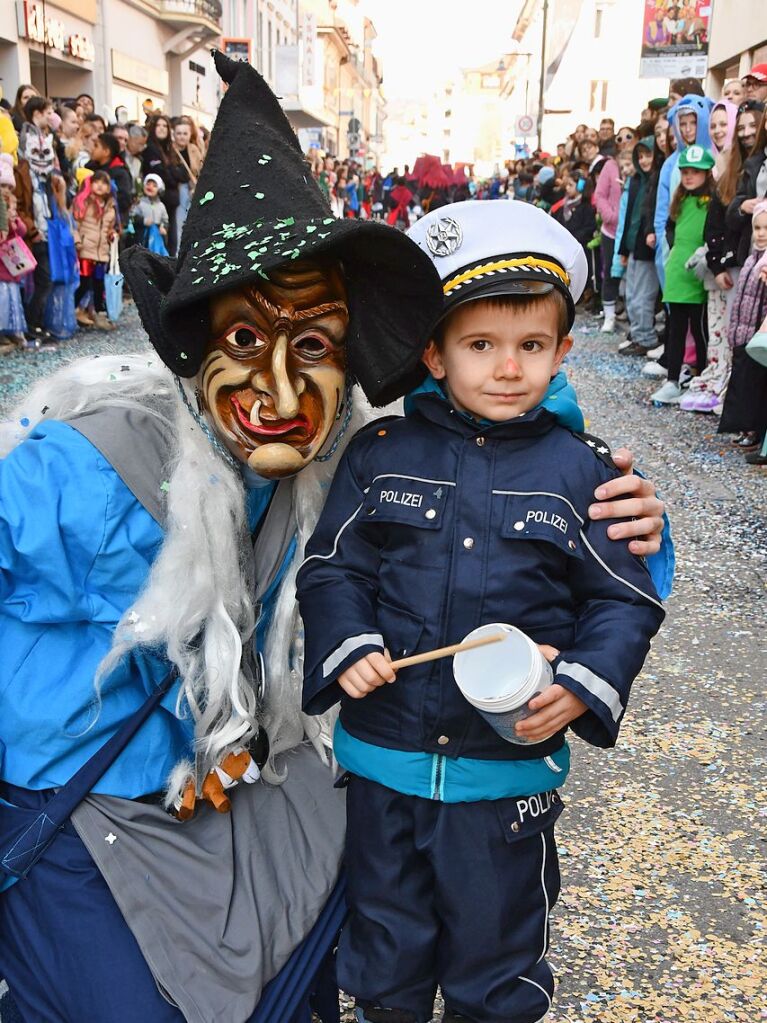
(150, 209)
(471, 509)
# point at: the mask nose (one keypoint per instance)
(276, 381)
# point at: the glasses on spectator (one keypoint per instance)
(628, 137)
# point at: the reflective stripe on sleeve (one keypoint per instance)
(596, 686)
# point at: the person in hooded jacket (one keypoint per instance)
(687, 132)
(576, 212)
(635, 254)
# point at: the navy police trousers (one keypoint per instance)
(449, 894)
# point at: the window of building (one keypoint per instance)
(260, 42)
(598, 96)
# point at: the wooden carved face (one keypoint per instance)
(273, 378)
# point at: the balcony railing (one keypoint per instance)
(208, 9)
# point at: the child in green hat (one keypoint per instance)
(683, 291)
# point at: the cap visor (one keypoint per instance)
(485, 290)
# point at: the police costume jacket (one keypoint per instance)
(435, 525)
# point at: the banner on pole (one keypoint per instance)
(675, 39)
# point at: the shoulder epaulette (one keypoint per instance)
(598, 446)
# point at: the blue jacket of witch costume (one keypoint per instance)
(76, 547)
(435, 525)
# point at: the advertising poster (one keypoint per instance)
(675, 39)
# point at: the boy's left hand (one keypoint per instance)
(555, 708)
(643, 510)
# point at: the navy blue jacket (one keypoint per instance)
(435, 525)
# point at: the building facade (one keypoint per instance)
(737, 40)
(140, 54)
(591, 67)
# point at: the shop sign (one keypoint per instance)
(309, 40)
(38, 27)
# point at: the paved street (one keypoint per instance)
(663, 915)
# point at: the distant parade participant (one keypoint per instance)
(152, 522)
(470, 510)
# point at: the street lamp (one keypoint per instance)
(542, 82)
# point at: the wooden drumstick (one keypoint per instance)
(448, 651)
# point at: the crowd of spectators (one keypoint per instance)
(671, 210)
(75, 188)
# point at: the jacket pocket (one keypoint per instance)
(548, 517)
(401, 629)
(407, 500)
(524, 817)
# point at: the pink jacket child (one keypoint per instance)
(607, 196)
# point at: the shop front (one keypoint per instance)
(51, 46)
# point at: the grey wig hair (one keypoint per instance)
(197, 601)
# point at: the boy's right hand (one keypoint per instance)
(367, 674)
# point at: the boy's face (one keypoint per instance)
(498, 361)
(688, 126)
(99, 152)
(645, 159)
(150, 189)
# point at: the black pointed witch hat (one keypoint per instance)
(256, 207)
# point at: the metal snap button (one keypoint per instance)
(430, 514)
(443, 740)
(571, 544)
(371, 511)
(468, 543)
(480, 442)
(519, 525)
(515, 826)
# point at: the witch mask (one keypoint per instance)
(273, 379)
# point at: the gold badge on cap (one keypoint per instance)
(444, 237)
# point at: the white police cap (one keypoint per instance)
(497, 247)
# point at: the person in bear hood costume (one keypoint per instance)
(153, 515)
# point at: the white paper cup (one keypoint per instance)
(501, 678)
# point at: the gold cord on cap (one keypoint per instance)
(545, 266)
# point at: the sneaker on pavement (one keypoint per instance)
(699, 401)
(634, 348)
(685, 376)
(756, 458)
(608, 327)
(652, 369)
(669, 394)
(655, 353)
(625, 343)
